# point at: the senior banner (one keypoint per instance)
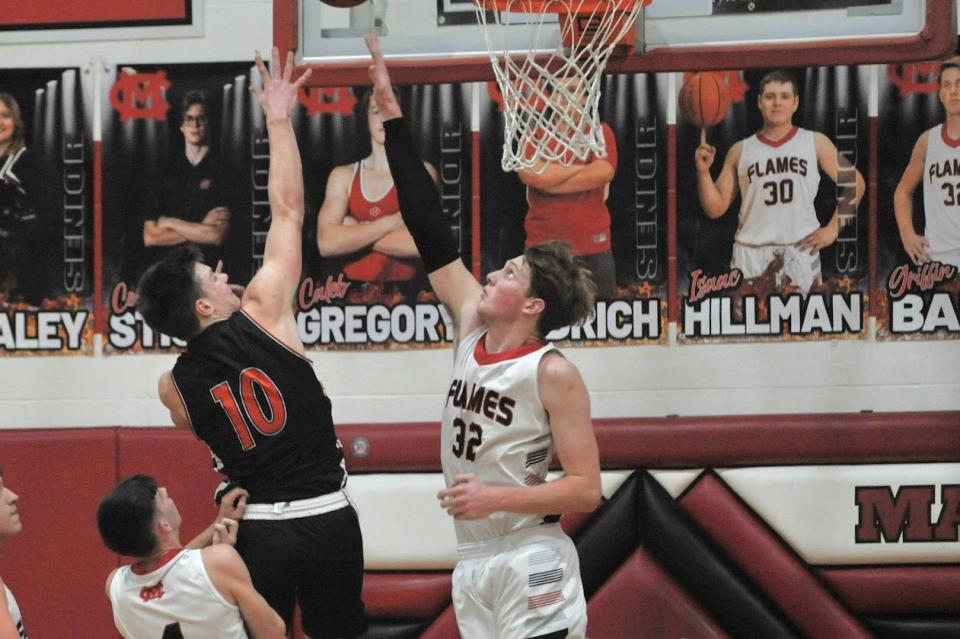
(46, 213)
(176, 157)
(771, 240)
(919, 202)
(616, 222)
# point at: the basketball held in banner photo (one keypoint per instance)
(343, 4)
(704, 99)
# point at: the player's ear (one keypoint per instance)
(534, 306)
(203, 307)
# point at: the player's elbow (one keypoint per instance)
(590, 497)
(326, 244)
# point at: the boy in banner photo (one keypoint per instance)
(624, 239)
(920, 236)
(175, 147)
(364, 285)
(46, 197)
(790, 263)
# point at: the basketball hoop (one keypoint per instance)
(551, 91)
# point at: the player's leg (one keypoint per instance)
(471, 601)
(331, 551)
(752, 261)
(541, 595)
(270, 555)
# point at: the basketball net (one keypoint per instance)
(551, 92)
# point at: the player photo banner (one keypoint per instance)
(919, 203)
(177, 156)
(46, 219)
(364, 286)
(618, 227)
(771, 240)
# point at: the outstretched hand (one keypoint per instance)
(383, 93)
(704, 155)
(278, 96)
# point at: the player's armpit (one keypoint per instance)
(170, 397)
(231, 578)
(459, 292)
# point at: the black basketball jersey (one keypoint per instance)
(262, 411)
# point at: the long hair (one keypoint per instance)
(19, 134)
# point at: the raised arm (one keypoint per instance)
(231, 578)
(716, 197)
(8, 629)
(269, 296)
(914, 244)
(420, 206)
(567, 402)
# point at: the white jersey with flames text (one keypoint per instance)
(175, 600)
(495, 427)
(778, 183)
(941, 194)
(14, 611)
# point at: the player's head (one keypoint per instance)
(11, 124)
(179, 293)
(545, 286)
(949, 80)
(9, 514)
(371, 116)
(778, 97)
(194, 118)
(135, 515)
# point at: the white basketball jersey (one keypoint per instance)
(14, 611)
(176, 596)
(495, 427)
(778, 182)
(941, 192)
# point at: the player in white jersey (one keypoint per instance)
(776, 171)
(936, 161)
(11, 621)
(513, 401)
(201, 591)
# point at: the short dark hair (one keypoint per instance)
(167, 290)
(782, 77)
(126, 517)
(562, 282)
(194, 97)
(952, 63)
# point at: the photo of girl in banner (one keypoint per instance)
(364, 285)
(45, 214)
(919, 202)
(174, 145)
(610, 209)
(770, 241)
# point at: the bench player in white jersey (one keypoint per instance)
(513, 401)
(936, 161)
(776, 171)
(201, 590)
(11, 621)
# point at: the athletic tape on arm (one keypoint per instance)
(419, 199)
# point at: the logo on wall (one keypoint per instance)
(139, 96)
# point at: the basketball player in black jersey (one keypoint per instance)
(245, 387)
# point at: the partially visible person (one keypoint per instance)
(247, 389)
(11, 621)
(934, 158)
(189, 200)
(199, 590)
(360, 214)
(569, 203)
(21, 274)
(513, 400)
(777, 173)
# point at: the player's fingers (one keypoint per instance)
(275, 68)
(302, 79)
(261, 67)
(703, 136)
(373, 46)
(288, 67)
(460, 479)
